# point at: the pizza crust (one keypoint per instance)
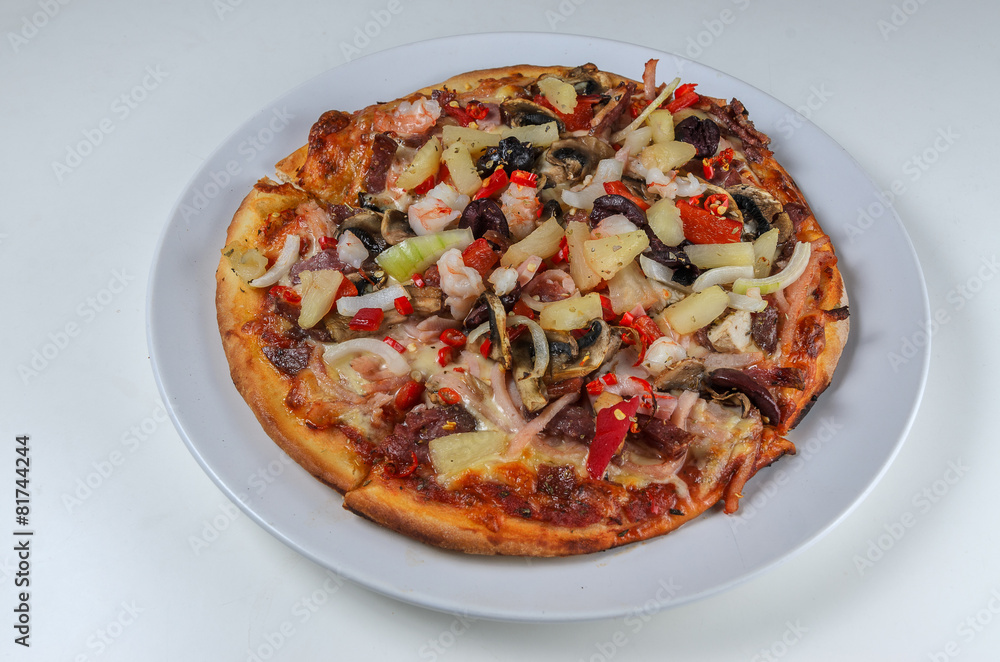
(327, 454)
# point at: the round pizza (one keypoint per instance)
(533, 310)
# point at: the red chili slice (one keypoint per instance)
(408, 395)
(524, 178)
(618, 188)
(403, 305)
(395, 344)
(445, 355)
(497, 181)
(449, 396)
(405, 473)
(453, 338)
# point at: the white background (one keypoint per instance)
(908, 88)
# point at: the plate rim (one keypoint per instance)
(442, 603)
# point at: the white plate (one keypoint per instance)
(846, 443)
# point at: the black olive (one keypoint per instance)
(482, 215)
(703, 134)
(728, 379)
(511, 154)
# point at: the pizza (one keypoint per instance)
(535, 310)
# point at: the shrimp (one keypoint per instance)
(661, 354)
(520, 205)
(411, 118)
(442, 205)
(462, 284)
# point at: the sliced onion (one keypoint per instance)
(535, 426)
(720, 276)
(685, 403)
(612, 225)
(289, 253)
(476, 332)
(394, 361)
(608, 170)
(384, 299)
(539, 341)
(744, 302)
(796, 267)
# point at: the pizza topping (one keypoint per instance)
(289, 254)
(567, 162)
(414, 255)
(437, 209)
(727, 379)
(394, 362)
(612, 424)
(796, 267)
(703, 134)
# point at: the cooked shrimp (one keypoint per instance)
(661, 354)
(520, 205)
(462, 284)
(350, 250)
(442, 205)
(410, 118)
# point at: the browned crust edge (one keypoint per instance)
(327, 453)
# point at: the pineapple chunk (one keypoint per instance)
(425, 164)
(667, 156)
(573, 313)
(609, 255)
(462, 170)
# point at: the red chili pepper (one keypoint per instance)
(445, 355)
(704, 227)
(723, 159)
(453, 338)
(684, 96)
(405, 473)
(453, 110)
(480, 256)
(326, 243)
(418, 280)
(613, 424)
(287, 294)
(409, 394)
(647, 328)
(636, 107)
(627, 319)
(484, 349)
(717, 203)
(618, 188)
(497, 181)
(366, 319)
(595, 387)
(649, 391)
(608, 312)
(449, 396)
(514, 332)
(562, 255)
(524, 178)
(477, 110)
(610, 379)
(403, 305)
(395, 344)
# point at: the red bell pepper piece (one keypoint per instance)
(403, 305)
(524, 178)
(606, 309)
(581, 115)
(618, 188)
(497, 182)
(613, 423)
(480, 256)
(703, 227)
(684, 96)
(366, 319)
(347, 289)
(286, 294)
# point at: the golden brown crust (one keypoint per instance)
(327, 453)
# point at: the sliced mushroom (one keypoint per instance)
(592, 350)
(587, 79)
(500, 350)
(368, 279)
(569, 161)
(366, 225)
(425, 300)
(522, 112)
(338, 326)
(761, 211)
(527, 377)
(685, 374)
(395, 227)
(727, 379)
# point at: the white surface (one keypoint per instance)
(852, 432)
(153, 562)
